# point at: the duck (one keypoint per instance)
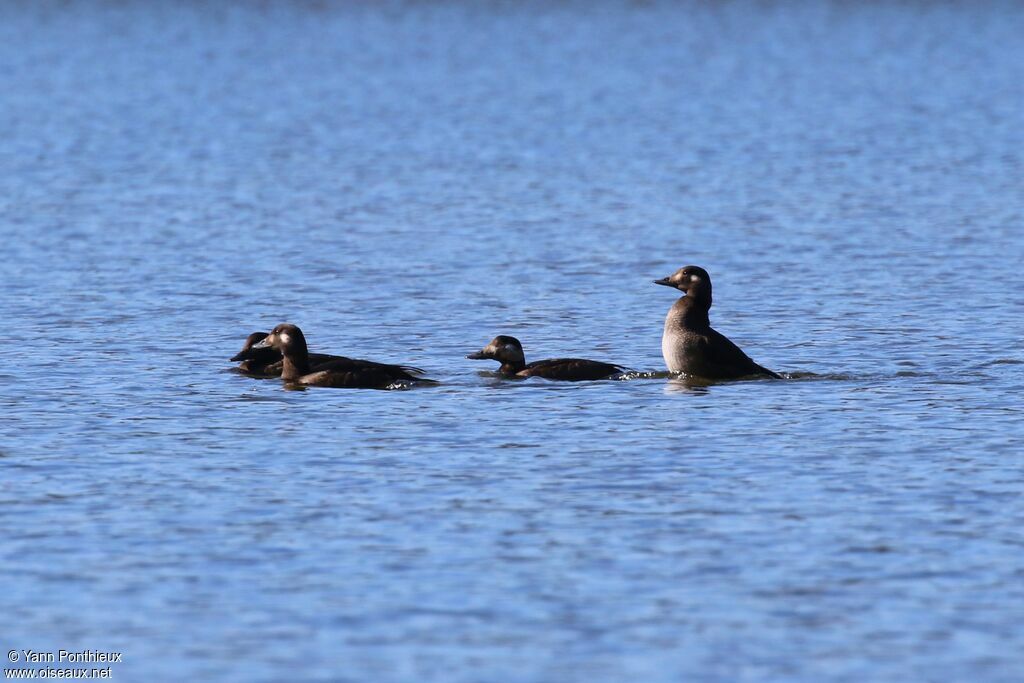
(509, 352)
(337, 372)
(267, 361)
(689, 344)
(256, 361)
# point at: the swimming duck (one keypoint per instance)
(689, 345)
(267, 361)
(509, 352)
(338, 372)
(256, 361)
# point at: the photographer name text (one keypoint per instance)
(67, 657)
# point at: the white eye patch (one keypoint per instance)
(510, 348)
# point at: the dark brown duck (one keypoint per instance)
(267, 361)
(688, 343)
(509, 352)
(338, 372)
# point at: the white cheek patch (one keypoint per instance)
(284, 338)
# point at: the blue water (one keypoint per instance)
(405, 181)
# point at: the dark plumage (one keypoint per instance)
(256, 361)
(339, 371)
(509, 352)
(267, 361)
(688, 343)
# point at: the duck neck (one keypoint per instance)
(296, 363)
(692, 312)
(263, 357)
(511, 367)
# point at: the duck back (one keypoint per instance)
(570, 369)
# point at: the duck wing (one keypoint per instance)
(358, 366)
(726, 360)
(267, 362)
(570, 369)
(323, 361)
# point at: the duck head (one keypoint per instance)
(247, 349)
(504, 349)
(692, 281)
(286, 338)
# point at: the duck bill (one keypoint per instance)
(665, 281)
(267, 343)
(479, 355)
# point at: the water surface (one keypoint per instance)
(405, 181)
